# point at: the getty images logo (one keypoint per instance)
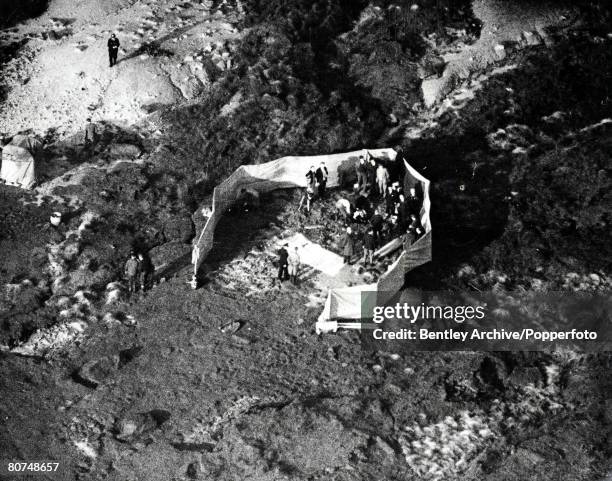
(412, 313)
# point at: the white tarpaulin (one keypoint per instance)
(287, 172)
(282, 173)
(18, 166)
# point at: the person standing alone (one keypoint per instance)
(294, 266)
(132, 269)
(283, 263)
(113, 49)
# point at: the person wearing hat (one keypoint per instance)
(347, 243)
(283, 263)
(131, 272)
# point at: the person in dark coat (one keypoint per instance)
(371, 174)
(377, 222)
(362, 202)
(347, 244)
(368, 246)
(283, 263)
(362, 172)
(311, 179)
(403, 215)
(146, 271)
(413, 232)
(113, 49)
(321, 177)
(413, 203)
(389, 202)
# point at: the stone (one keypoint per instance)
(500, 51)
(531, 38)
(92, 373)
(125, 151)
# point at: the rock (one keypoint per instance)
(194, 470)
(124, 151)
(70, 250)
(531, 38)
(500, 51)
(130, 428)
(95, 371)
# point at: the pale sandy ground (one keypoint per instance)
(69, 80)
(527, 25)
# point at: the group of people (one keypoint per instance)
(138, 272)
(385, 211)
(288, 264)
(316, 186)
(376, 203)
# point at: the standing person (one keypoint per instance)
(113, 49)
(146, 271)
(413, 203)
(377, 222)
(131, 272)
(382, 179)
(368, 246)
(283, 263)
(294, 266)
(348, 245)
(403, 215)
(414, 231)
(321, 176)
(90, 133)
(389, 202)
(311, 178)
(371, 172)
(362, 172)
(306, 200)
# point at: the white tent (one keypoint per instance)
(18, 164)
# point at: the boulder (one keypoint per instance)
(124, 151)
(129, 428)
(92, 373)
(531, 38)
(500, 51)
